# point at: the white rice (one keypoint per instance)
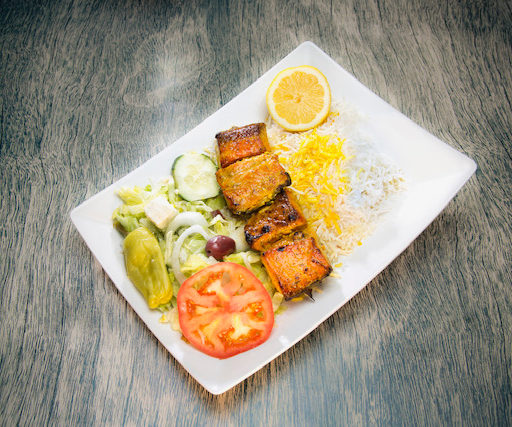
(363, 193)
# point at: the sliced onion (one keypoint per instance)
(185, 218)
(181, 220)
(175, 257)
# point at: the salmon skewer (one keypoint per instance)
(253, 181)
(238, 143)
(269, 224)
(294, 263)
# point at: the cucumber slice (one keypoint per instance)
(194, 175)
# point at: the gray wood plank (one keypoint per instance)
(90, 90)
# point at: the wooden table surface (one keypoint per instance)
(91, 89)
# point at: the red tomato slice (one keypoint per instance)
(224, 310)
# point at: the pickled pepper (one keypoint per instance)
(145, 267)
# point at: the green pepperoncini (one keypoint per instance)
(146, 268)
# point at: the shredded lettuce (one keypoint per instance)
(126, 223)
(215, 203)
(194, 245)
(130, 215)
(196, 262)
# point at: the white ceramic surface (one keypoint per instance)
(435, 172)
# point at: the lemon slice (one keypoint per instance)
(299, 98)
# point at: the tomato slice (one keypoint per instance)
(224, 310)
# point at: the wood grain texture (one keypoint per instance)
(90, 90)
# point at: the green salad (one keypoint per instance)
(167, 226)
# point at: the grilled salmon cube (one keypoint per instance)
(238, 143)
(295, 264)
(270, 223)
(253, 182)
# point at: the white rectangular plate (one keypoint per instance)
(435, 172)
